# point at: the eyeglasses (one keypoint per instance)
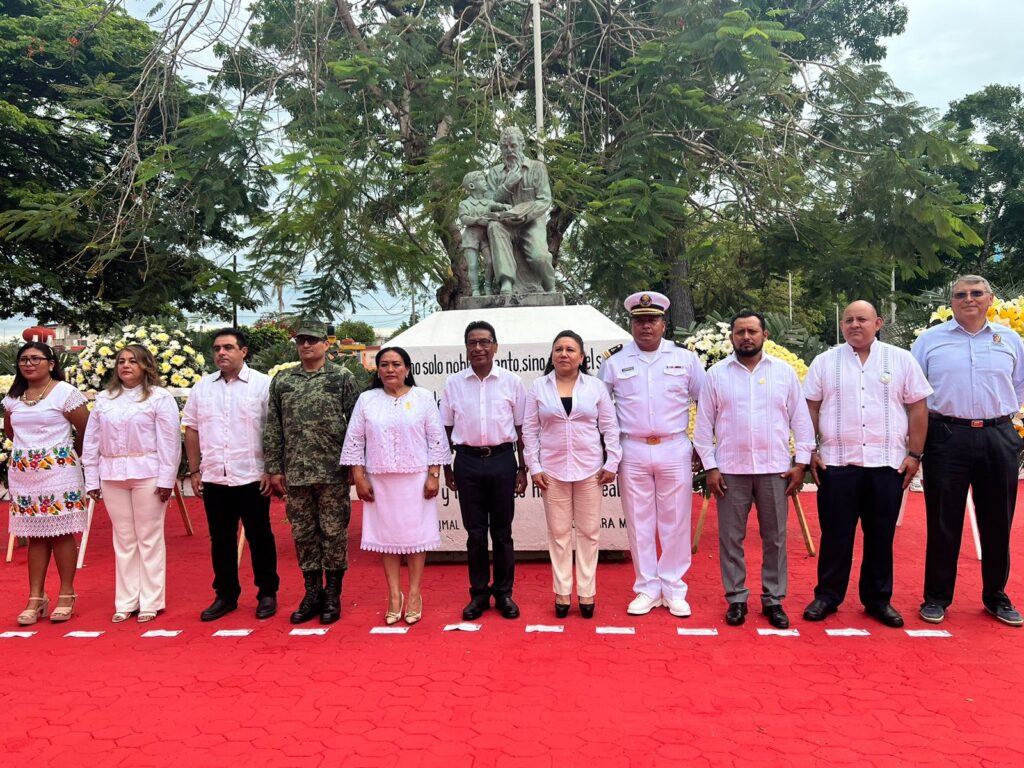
(32, 360)
(976, 294)
(482, 343)
(302, 340)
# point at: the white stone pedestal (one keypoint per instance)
(525, 334)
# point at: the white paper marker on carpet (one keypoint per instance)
(615, 630)
(764, 632)
(82, 633)
(308, 631)
(928, 633)
(696, 631)
(464, 626)
(162, 633)
(848, 632)
(232, 633)
(388, 630)
(545, 628)
(16, 634)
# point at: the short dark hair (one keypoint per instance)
(409, 380)
(480, 325)
(745, 313)
(575, 337)
(20, 383)
(240, 337)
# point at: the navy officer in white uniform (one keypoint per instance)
(652, 382)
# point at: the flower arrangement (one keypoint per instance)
(1009, 313)
(180, 365)
(283, 366)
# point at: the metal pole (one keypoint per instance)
(538, 83)
(892, 296)
(791, 297)
(837, 323)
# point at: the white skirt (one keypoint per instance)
(400, 521)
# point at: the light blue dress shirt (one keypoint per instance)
(975, 376)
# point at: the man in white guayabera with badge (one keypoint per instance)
(652, 382)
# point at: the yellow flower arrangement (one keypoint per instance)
(283, 366)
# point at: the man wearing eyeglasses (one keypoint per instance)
(976, 368)
(308, 413)
(482, 409)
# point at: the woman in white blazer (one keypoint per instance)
(131, 454)
(571, 439)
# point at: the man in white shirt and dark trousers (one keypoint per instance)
(749, 405)
(977, 370)
(652, 382)
(867, 403)
(224, 419)
(482, 409)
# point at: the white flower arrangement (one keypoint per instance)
(179, 364)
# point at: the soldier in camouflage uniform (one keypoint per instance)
(309, 409)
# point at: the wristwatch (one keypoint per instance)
(915, 455)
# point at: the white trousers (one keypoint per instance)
(656, 487)
(567, 505)
(140, 554)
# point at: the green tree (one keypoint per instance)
(356, 330)
(112, 194)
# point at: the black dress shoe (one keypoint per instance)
(587, 610)
(475, 608)
(507, 606)
(561, 610)
(1007, 614)
(736, 614)
(266, 607)
(217, 609)
(818, 610)
(885, 614)
(777, 616)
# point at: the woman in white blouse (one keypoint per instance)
(571, 439)
(131, 454)
(396, 444)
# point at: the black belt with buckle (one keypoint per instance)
(975, 423)
(484, 451)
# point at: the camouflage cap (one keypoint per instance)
(313, 328)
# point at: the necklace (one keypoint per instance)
(25, 399)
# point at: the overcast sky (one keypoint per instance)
(955, 47)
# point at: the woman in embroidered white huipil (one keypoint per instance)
(131, 453)
(571, 445)
(45, 474)
(395, 445)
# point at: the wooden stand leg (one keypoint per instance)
(804, 528)
(903, 507)
(973, 517)
(700, 525)
(181, 508)
(241, 545)
(10, 548)
(89, 509)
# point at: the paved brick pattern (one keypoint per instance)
(501, 696)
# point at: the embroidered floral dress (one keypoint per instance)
(45, 473)
(395, 439)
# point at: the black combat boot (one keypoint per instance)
(313, 600)
(332, 599)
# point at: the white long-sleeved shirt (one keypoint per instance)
(568, 446)
(129, 438)
(744, 418)
(483, 412)
(229, 417)
(863, 419)
(395, 434)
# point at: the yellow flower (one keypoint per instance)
(106, 351)
(86, 365)
(165, 368)
(161, 337)
(141, 333)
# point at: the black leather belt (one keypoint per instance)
(976, 423)
(484, 451)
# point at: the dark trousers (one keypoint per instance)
(985, 459)
(487, 489)
(225, 506)
(871, 495)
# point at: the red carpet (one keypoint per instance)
(500, 696)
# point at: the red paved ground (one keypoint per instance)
(500, 696)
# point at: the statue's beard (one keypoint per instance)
(513, 160)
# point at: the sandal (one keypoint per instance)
(31, 615)
(146, 616)
(120, 616)
(392, 617)
(63, 612)
(411, 616)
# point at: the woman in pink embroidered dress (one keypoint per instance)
(45, 475)
(395, 445)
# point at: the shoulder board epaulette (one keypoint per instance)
(609, 352)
